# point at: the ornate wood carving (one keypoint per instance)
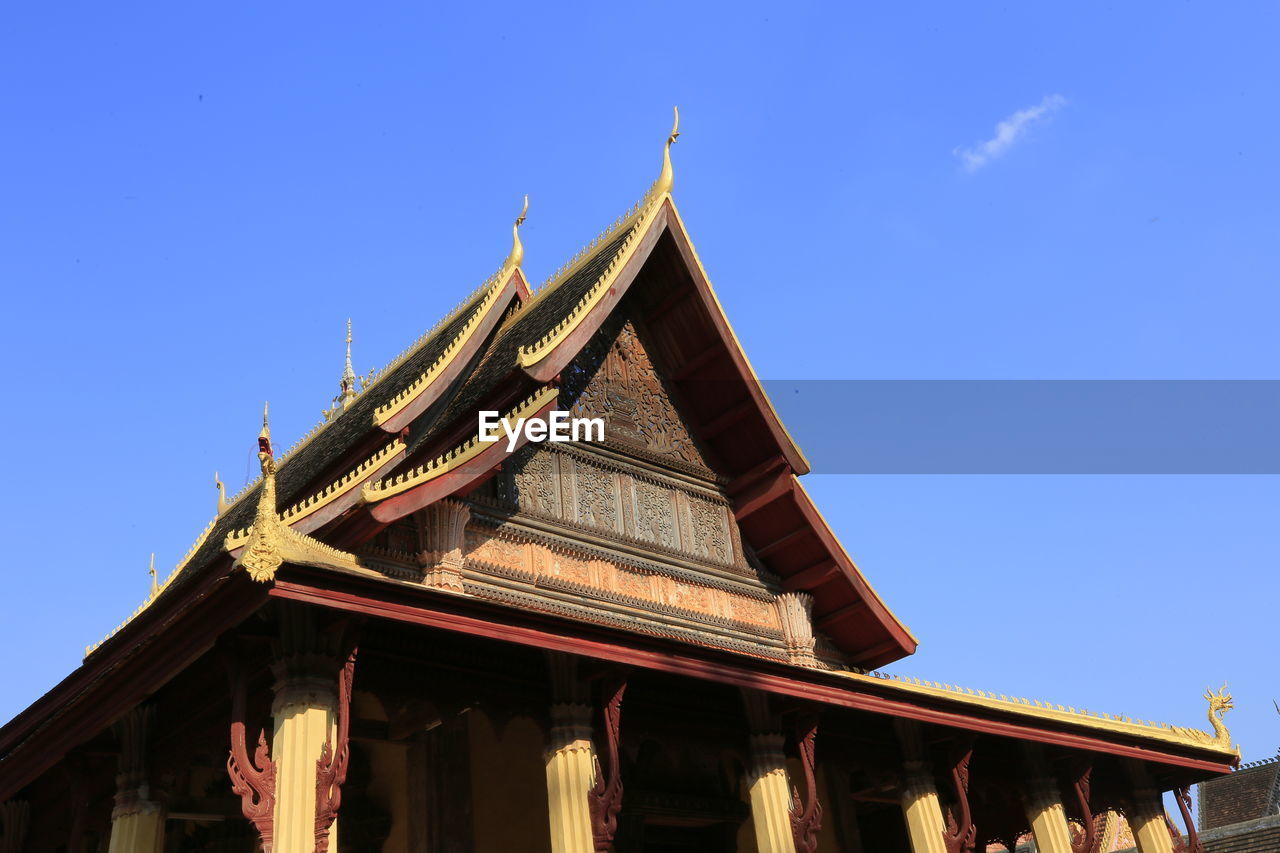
(806, 814)
(961, 834)
(331, 766)
(614, 378)
(443, 538)
(1087, 840)
(1191, 844)
(605, 797)
(253, 780)
(795, 611)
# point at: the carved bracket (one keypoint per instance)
(331, 766)
(1192, 842)
(806, 815)
(605, 796)
(961, 834)
(442, 533)
(1087, 841)
(254, 781)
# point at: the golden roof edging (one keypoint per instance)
(390, 487)
(702, 272)
(378, 376)
(397, 403)
(343, 485)
(839, 544)
(182, 564)
(531, 354)
(1044, 710)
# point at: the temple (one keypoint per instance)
(404, 638)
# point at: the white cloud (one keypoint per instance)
(1007, 133)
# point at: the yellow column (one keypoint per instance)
(137, 820)
(1042, 803)
(1146, 816)
(304, 714)
(770, 795)
(570, 761)
(920, 804)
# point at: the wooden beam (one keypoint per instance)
(812, 576)
(726, 419)
(782, 540)
(839, 614)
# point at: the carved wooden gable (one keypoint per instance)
(615, 378)
(635, 531)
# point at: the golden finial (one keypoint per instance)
(517, 248)
(151, 570)
(347, 385)
(222, 493)
(1220, 702)
(264, 440)
(667, 178)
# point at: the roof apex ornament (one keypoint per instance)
(151, 570)
(1220, 702)
(517, 248)
(261, 555)
(222, 493)
(667, 178)
(348, 382)
(269, 541)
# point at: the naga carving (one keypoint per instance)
(1219, 704)
(253, 780)
(1191, 843)
(1086, 841)
(605, 796)
(961, 834)
(331, 766)
(806, 815)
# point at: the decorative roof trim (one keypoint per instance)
(455, 458)
(1119, 724)
(155, 593)
(269, 542)
(344, 485)
(400, 401)
(533, 353)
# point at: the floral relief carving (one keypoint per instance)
(615, 378)
(597, 503)
(536, 483)
(710, 531)
(654, 519)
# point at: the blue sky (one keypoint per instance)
(196, 197)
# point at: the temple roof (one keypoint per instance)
(408, 439)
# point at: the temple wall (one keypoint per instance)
(508, 786)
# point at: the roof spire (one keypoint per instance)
(261, 556)
(517, 248)
(222, 493)
(348, 383)
(151, 570)
(666, 179)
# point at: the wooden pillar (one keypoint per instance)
(1042, 802)
(309, 738)
(1146, 813)
(570, 760)
(920, 805)
(769, 788)
(137, 820)
(14, 818)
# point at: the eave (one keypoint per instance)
(1183, 760)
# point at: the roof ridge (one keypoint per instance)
(532, 353)
(1093, 718)
(155, 593)
(489, 284)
